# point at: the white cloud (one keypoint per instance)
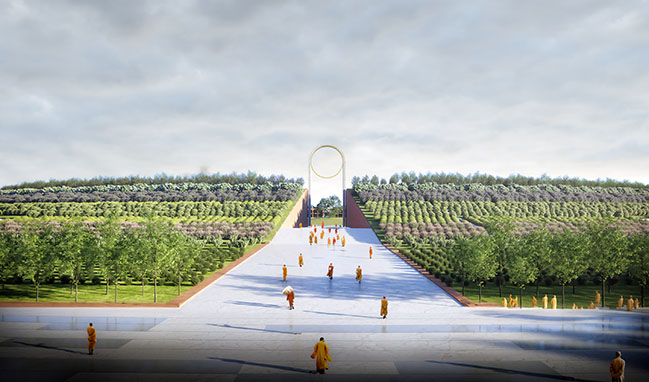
(100, 88)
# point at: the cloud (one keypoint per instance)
(97, 88)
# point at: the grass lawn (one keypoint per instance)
(584, 294)
(327, 221)
(56, 292)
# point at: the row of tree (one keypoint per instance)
(457, 178)
(74, 249)
(566, 255)
(232, 178)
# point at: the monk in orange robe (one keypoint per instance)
(321, 355)
(311, 240)
(328, 241)
(553, 302)
(343, 241)
(284, 272)
(330, 272)
(322, 225)
(629, 304)
(92, 339)
(384, 307)
(545, 301)
(359, 274)
(334, 241)
(534, 302)
(591, 305)
(316, 239)
(336, 229)
(370, 252)
(321, 234)
(300, 260)
(290, 297)
(620, 302)
(637, 303)
(598, 298)
(504, 302)
(329, 229)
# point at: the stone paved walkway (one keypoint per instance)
(240, 329)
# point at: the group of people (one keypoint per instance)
(313, 236)
(513, 302)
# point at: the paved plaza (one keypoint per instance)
(240, 329)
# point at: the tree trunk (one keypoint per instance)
(603, 296)
(563, 294)
(573, 286)
(155, 286)
(500, 285)
(463, 277)
(642, 295)
(115, 282)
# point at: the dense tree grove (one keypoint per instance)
(109, 251)
(523, 232)
(263, 211)
(411, 178)
(233, 178)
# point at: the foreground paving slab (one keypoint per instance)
(240, 329)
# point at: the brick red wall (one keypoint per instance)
(355, 218)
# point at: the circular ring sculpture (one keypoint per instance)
(342, 161)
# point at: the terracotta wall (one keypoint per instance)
(299, 213)
(355, 218)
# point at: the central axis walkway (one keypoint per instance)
(240, 328)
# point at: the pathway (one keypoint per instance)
(239, 328)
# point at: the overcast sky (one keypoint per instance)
(116, 88)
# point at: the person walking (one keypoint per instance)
(370, 252)
(284, 272)
(330, 271)
(598, 298)
(300, 260)
(629, 304)
(321, 355)
(617, 368)
(384, 307)
(290, 296)
(554, 302)
(534, 302)
(545, 301)
(92, 339)
(359, 274)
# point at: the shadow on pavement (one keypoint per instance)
(255, 329)
(43, 346)
(510, 371)
(343, 314)
(269, 365)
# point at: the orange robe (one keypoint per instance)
(92, 338)
(321, 355)
(328, 241)
(534, 302)
(545, 301)
(629, 304)
(359, 274)
(504, 303)
(284, 273)
(384, 307)
(290, 297)
(620, 302)
(322, 225)
(300, 260)
(598, 298)
(553, 302)
(343, 241)
(330, 272)
(370, 252)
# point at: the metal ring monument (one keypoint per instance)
(342, 168)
